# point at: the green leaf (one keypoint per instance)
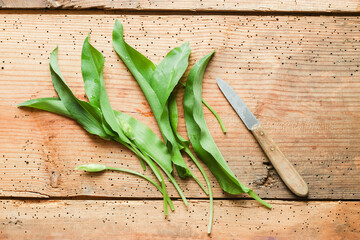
(150, 78)
(168, 73)
(183, 144)
(92, 64)
(140, 67)
(53, 105)
(83, 112)
(163, 81)
(199, 134)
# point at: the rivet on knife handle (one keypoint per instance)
(284, 168)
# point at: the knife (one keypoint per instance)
(284, 168)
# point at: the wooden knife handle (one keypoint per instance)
(284, 168)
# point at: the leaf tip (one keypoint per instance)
(118, 24)
(187, 45)
(54, 52)
(21, 104)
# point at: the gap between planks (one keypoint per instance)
(191, 5)
(172, 12)
(174, 199)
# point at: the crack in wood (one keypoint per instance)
(267, 180)
(24, 193)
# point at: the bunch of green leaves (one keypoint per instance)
(158, 83)
(98, 118)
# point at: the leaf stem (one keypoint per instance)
(156, 172)
(173, 181)
(137, 174)
(171, 178)
(257, 198)
(142, 164)
(162, 188)
(215, 114)
(166, 210)
(176, 185)
(199, 183)
(153, 167)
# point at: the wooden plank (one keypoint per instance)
(90, 219)
(299, 75)
(192, 5)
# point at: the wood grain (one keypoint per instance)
(299, 76)
(90, 219)
(192, 5)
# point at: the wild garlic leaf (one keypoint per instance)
(168, 73)
(149, 77)
(81, 111)
(183, 144)
(92, 64)
(200, 137)
(53, 105)
(140, 67)
(163, 81)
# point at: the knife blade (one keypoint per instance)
(238, 105)
(285, 169)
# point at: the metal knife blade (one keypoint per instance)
(239, 106)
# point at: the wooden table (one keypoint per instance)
(295, 63)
